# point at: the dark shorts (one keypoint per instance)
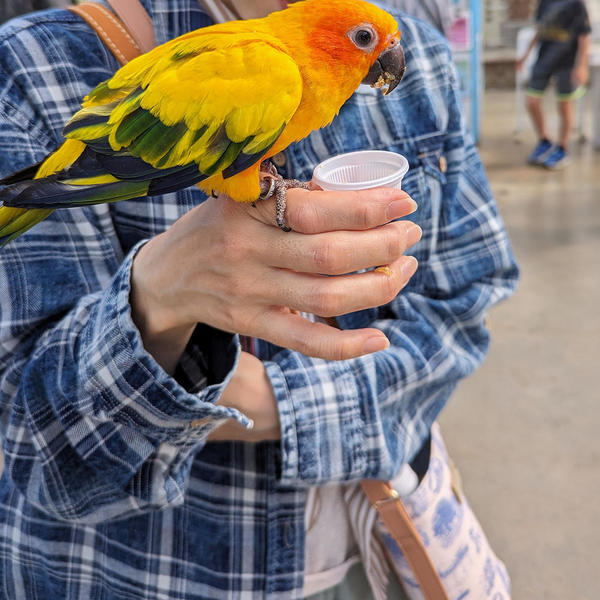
(566, 88)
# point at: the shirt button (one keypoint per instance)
(279, 159)
(443, 164)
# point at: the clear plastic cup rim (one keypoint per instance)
(363, 169)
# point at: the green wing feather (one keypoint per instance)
(206, 100)
(203, 104)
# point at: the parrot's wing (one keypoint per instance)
(199, 105)
(196, 105)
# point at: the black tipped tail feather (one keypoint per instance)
(51, 193)
(26, 201)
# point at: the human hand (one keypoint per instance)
(251, 393)
(520, 64)
(581, 74)
(226, 264)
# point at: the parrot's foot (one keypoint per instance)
(273, 183)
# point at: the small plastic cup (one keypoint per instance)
(361, 170)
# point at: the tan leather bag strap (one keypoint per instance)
(111, 30)
(137, 21)
(398, 522)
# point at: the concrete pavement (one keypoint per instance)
(525, 429)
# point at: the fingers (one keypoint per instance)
(334, 233)
(317, 211)
(334, 296)
(341, 252)
(292, 331)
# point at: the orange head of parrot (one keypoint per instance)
(355, 35)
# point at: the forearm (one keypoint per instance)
(88, 387)
(530, 47)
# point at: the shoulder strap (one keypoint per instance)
(137, 21)
(115, 33)
(400, 526)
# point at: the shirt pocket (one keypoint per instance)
(425, 182)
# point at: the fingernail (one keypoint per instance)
(400, 208)
(375, 344)
(409, 266)
(413, 234)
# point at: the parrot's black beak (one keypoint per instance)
(388, 69)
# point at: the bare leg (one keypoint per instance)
(534, 108)
(566, 112)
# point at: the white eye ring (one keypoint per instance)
(363, 37)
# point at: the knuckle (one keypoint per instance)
(302, 343)
(326, 303)
(367, 215)
(336, 351)
(325, 258)
(303, 216)
(394, 244)
(320, 347)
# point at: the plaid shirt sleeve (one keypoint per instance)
(364, 418)
(93, 428)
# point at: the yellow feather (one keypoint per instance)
(89, 100)
(90, 132)
(123, 109)
(8, 214)
(97, 180)
(64, 157)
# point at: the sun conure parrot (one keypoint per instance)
(208, 107)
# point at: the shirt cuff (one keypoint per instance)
(134, 389)
(319, 443)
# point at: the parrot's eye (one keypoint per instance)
(364, 37)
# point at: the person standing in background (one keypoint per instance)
(563, 32)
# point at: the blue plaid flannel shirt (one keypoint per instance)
(108, 492)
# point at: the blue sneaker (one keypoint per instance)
(540, 152)
(557, 159)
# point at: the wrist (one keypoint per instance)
(164, 334)
(250, 392)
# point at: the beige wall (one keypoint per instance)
(519, 10)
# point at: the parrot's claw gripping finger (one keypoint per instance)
(281, 188)
(280, 205)
(266, 166)
(271, 183)
(267, 187)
